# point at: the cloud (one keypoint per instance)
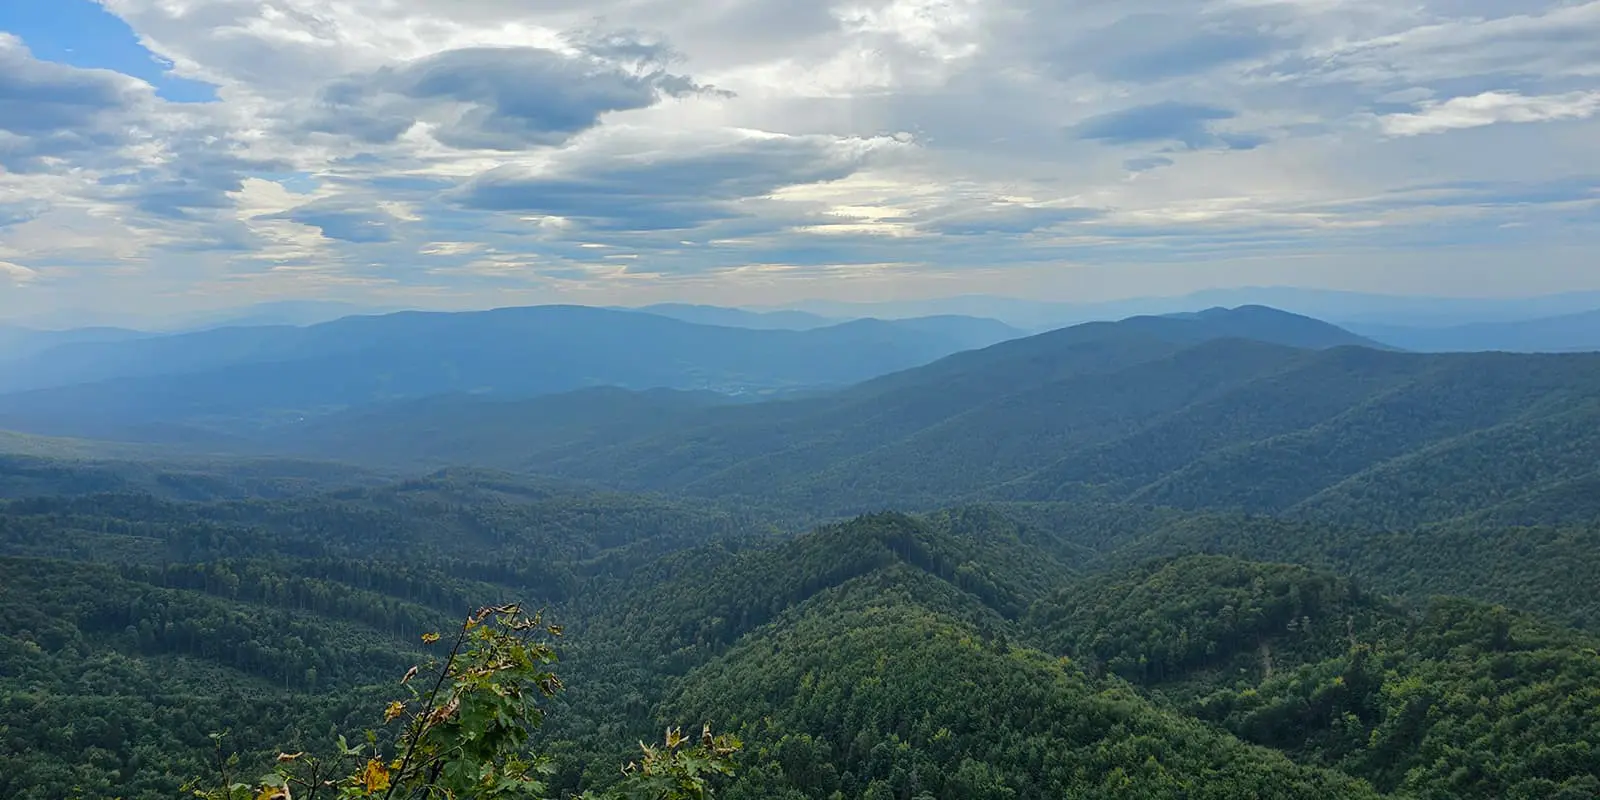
(17, 274)
(500, 98)
(50, 110)
(194, 174)
(1490, 108)
(1007, 218)
(1147, 163)
(639, 181)
(1503, 40)
(1188, 124)
(39, 97)
(1500, 197)
(343, 220)
(17, 213)
(390, 150)
(1148, 47)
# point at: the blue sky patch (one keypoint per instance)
(81, 33)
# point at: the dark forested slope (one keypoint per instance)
(1460, 700)
(883, 657)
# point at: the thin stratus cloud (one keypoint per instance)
(176, 156)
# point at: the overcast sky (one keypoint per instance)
(188, 154)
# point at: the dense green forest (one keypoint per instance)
(986, 651)
(1208, 557)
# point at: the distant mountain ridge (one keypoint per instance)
(1338, 307)
(1568, 333)
(20, 342)
(284, 372)
(1247, 409)
(738, 317)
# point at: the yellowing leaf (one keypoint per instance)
(430, 638)
(394, 710)
(375, 777)
(274, 793)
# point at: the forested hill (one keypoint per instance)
(977, 652)
(1248, 410)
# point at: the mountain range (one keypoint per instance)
(1247, 409)
(1218, 553)
(1565, 333)
(19, 343)
(1339, 307)
(152, 387)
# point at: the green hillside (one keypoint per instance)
(1459, 700)
(886, 656)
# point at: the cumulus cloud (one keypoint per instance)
(51, 111)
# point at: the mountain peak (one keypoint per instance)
(1259, 322)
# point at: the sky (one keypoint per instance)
(178, 155)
